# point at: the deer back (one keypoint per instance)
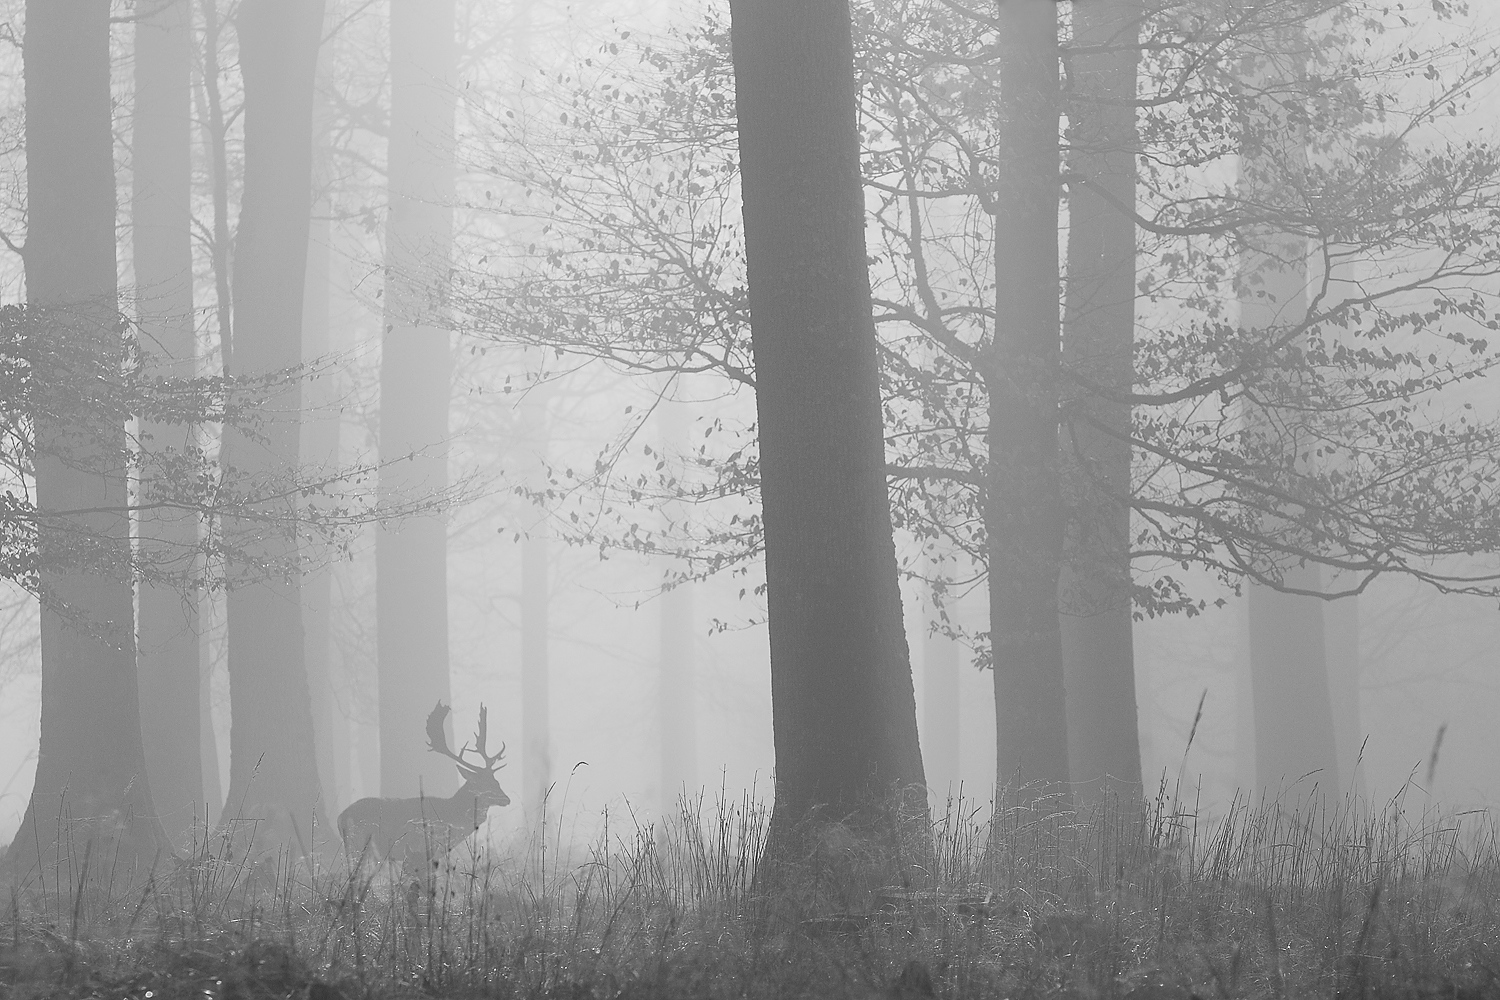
(398, 828)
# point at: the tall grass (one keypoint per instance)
(1279, 898)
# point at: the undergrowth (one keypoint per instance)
(1272, 899)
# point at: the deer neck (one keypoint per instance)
(467, 800)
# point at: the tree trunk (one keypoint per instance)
(536, 596)
(367, 757)
(677, 715)
(1104, 748)
(1245, 778)
(91, 795)
(536, 712)
(411, 566)
(320, 449)
(1294, 732)
(942, 733)
(273, 779)
(1341, 644)
(161, 229)
(1023, 499)
(843, 707)
(216, 147)
(208, 740)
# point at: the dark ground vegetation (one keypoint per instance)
(1266, 901)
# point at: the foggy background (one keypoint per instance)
(1427, 662)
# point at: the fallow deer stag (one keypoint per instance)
(412, 831)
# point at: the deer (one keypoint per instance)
(413, 831)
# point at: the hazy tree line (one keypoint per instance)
(1268, 185)
(1079, 299)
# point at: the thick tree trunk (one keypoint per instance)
(1023, 498)
(91, 796)
(411, 566)
(1104, 748)
(320, 449)
(677, 715)
(161, 230)
(273, 779)
(367, 759)
(843, 707)
(1294, 731)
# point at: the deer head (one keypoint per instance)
(479, 779)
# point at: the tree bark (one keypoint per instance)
(91, 795)
(1341, 644)
(208, 740)
(273, 780)
(1023, 498)
(411, 572)
(843, 707)
(216, 143)
(1294, 732)
(942, 734)
(1104, 751)
(161, 229)
(320, 449)
(1294, 729)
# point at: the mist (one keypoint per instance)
(911, 437)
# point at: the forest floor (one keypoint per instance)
(1156, 903)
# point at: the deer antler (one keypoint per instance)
(437, 740)
(490, 763)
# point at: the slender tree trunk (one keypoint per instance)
(536, 711)
(1245, 777)
(215, 145)
(208, 740)
(1023, 498)
(1341, 638)
(411, 563)
(320, 449)
(273, 782)
(941, 732)
(843, 707)
(1341, 626)
(161, 229)
(536, 596)
(1294, 731)
(217, 140)
(1104, 748)
(91, 796)
(677, 715)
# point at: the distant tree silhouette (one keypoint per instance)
(91, 792)
(640, 265)
(161, 231)
(415, 373)
(273, 779)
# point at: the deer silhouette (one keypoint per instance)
(414, 831)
